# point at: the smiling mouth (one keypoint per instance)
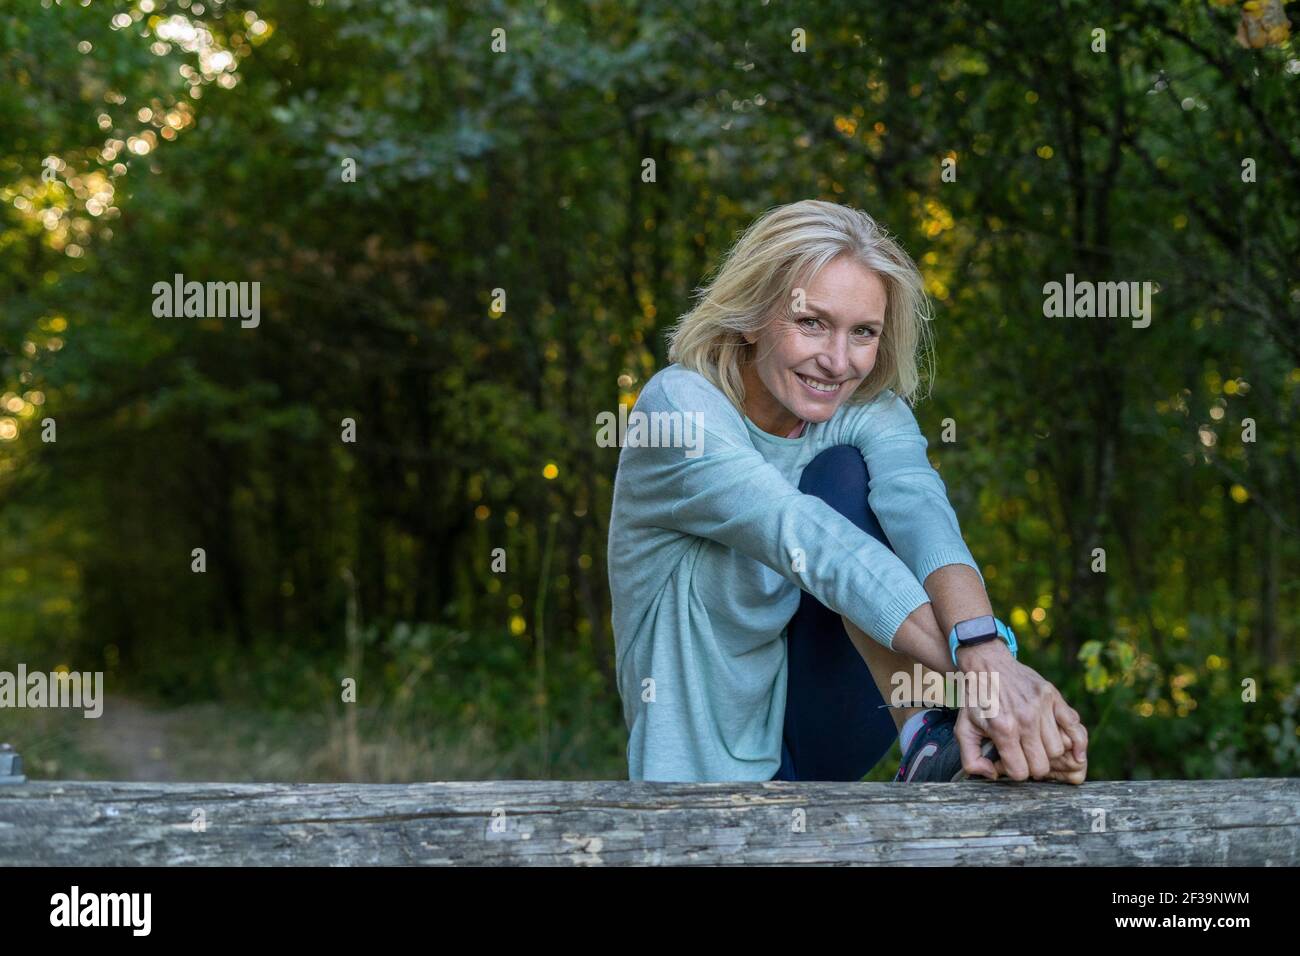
(823, 387)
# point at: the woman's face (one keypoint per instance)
(807, 362)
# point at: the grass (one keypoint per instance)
(223, 742)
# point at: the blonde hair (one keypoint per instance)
(768, 261)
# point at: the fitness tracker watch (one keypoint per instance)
(978, 630)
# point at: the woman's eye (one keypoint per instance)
(865, 332)
(808, 322)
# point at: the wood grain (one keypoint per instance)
(591, 823)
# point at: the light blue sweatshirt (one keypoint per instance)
(709, 547)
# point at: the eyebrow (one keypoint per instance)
(874, 323)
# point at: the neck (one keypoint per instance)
(764, 410)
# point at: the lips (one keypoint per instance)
(818, 387)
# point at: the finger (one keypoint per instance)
(1074, 777)
(1010, 750)
(1079, 734)
(1068, 718)
(1067, 746)
(1050, 734)
(1031, 743)
(1039, 764)
(1067, 762)
(1075, 773)
(969, 739)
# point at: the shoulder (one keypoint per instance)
(885, 413)
(676, 388)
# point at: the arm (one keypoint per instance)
(1035, 731)
(911, 502)
(956, 594)
(730, 494)
(1034, 728)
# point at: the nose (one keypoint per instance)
(834, 359)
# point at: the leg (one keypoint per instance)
(838, 677)
(883, 664)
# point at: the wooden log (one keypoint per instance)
(585, 823)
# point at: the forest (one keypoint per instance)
(464, 229)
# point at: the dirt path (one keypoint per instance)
(134, 738)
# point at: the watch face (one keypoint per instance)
(979, 628)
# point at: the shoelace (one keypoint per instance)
(920, 705)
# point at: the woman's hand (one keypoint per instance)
(1065, 769)
(1036, 732)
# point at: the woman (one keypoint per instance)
(770, 581)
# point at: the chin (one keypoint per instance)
(820, 415)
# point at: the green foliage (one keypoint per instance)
(521, 171)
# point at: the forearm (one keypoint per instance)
(919, 639)
(956, 594)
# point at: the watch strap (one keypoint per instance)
(1003, 630)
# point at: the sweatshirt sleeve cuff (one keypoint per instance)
(890, 618)
(938, 559)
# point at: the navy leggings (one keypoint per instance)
(835, 726)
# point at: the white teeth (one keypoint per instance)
(818, 385)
